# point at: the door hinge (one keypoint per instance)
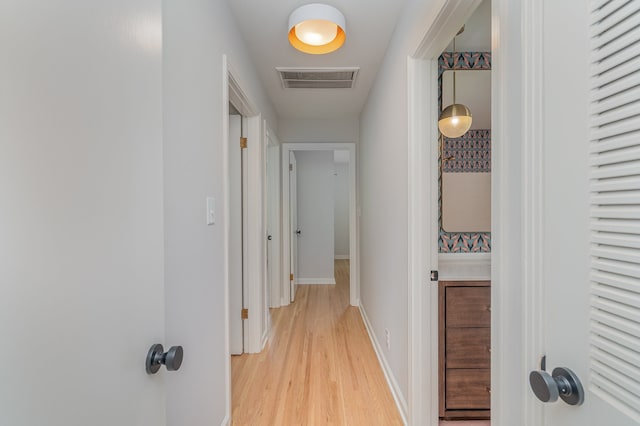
(243, 143)
(290, 277)
(434, 275)
(290, 167)
(245, 313)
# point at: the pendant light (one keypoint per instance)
(455, 120)
(317, 29)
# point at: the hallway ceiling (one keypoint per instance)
(370, 24)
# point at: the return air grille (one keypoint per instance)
(318, 78)
(615, 204)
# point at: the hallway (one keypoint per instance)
(318, 368)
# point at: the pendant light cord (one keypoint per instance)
(454, 69)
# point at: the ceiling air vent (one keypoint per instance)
(318, 78)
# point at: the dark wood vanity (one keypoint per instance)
(465, 349)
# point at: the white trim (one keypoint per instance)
(509, 387)
(422, 209)
(341, 257)
(233, 90)
(265, 338)
(396, 392)
(226, 233)
(354, 275)
(316, 281)
(226, 421)
(533, 195)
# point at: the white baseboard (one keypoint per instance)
(265, 337)
(401, 402)
(341, 257)
(316, 280)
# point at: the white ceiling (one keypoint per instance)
(370, 24)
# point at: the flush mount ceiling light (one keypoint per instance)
(317, 29)
(455, 120)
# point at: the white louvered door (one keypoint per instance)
(592, 207)
(614, 150)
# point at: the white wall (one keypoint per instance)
(81, 247)
(319, 130)
(383, 198)
(341, 209)
(196, 35)
(315, 216)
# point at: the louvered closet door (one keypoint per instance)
(591, 248)
(614, 363)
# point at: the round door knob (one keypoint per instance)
(173, 358)
(543, 386)
(156, 357)
(562, 383)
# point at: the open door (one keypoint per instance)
(590, 310)
(82, 293)
(294, 231)
(274, 236)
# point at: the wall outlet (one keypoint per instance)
(387, 336)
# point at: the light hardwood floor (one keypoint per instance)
(319, 367)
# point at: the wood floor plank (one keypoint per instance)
(319, 367)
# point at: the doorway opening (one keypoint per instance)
(317, 177)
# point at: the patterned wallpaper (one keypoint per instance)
(469, 153)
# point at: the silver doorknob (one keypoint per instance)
(156, 357)
(562, 383)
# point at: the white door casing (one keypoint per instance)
(236, 271)
(255, 327)
(423, 112)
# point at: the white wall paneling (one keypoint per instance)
(301, 148)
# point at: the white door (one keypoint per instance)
(293, 215)
(81, 214)
(235, 236)
(273, 224)
(591, 248)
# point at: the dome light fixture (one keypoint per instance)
(317, 29)
(455, 120)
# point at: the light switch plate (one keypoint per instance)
(211, 211)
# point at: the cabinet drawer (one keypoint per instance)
(468, 348)
(467, 389)
(468, 306)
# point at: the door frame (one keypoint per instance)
(354, 278)
(516, 207)
(235, 92)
